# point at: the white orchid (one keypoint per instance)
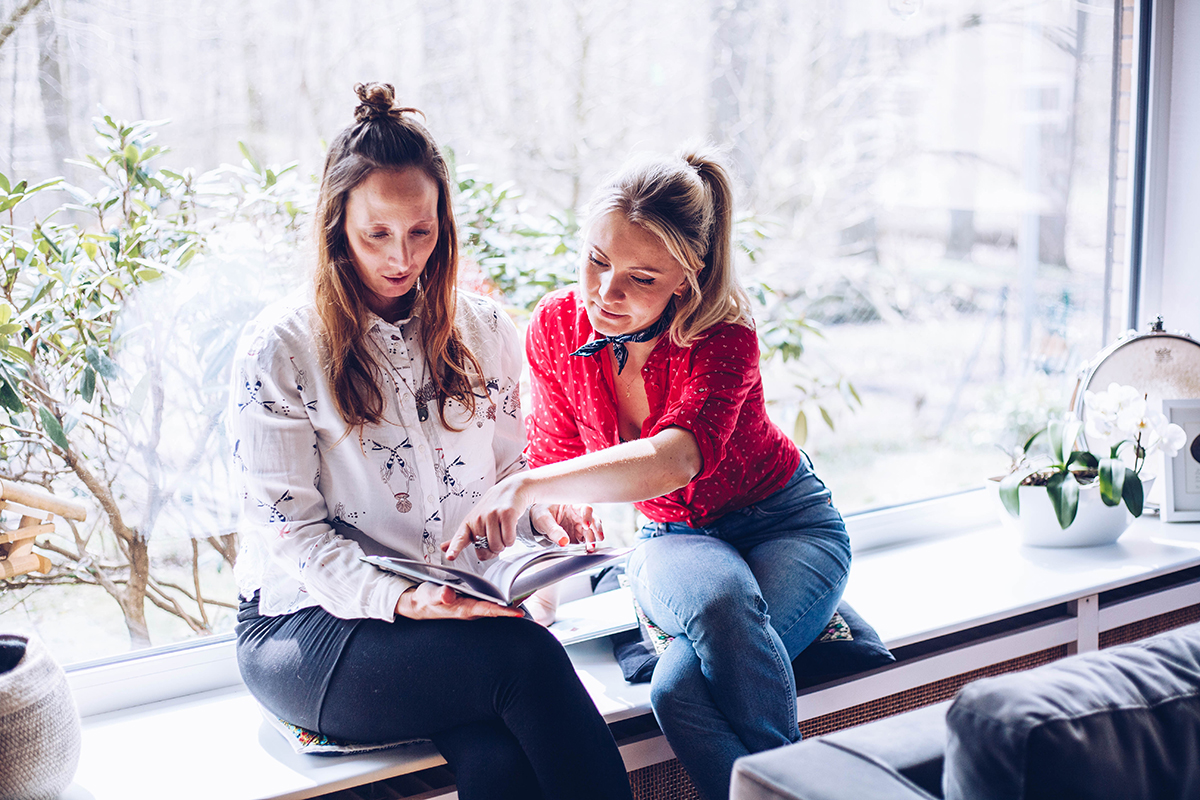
(1163, 435)
(1122, 410)
(1114, 411)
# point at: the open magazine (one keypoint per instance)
(511, 577)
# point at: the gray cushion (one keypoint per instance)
(898, 758)
(913, 744)
(1121, 723)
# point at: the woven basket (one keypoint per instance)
(39, 725)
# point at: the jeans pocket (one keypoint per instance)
(805, 490)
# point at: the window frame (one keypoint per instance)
(210, 664)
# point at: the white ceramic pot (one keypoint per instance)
(1095, 523)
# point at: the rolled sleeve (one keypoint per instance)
(553, 430)
(276, 449)
(724, 370)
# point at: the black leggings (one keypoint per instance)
(498, 696)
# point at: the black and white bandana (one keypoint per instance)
(618, 342)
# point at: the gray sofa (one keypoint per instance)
(1119, 723)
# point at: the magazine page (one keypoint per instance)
(594, 616)
(460, 580)
(518, 574)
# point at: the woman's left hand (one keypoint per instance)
(564, 523)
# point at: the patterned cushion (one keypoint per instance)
(847, 646)
(303, 740)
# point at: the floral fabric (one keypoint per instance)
(317, 494)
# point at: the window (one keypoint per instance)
(936, 186)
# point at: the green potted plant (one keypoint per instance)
(1060, 494)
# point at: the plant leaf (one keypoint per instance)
(1064, 496)
(800, 429)
(9, 397)
(100, 362)
(1112, 481)
(1132, 492)
(1055, 431)
(1063, 436)
(19, 353)
(137, 398)
(53, 429)
(249, 158)
(87, 387)
(1083, 457)
(1010, 493)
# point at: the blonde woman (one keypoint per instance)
(369, 415)
(646, 388)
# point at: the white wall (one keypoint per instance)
(1178, 300)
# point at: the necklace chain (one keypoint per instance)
(627, 383)
(418, 397)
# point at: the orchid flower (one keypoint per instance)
(1120, 413)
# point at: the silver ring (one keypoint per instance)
(482, 544)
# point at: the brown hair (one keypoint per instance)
(385, 137)
(687, 202)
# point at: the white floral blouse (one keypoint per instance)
(317, 494)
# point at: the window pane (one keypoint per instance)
(925, 183)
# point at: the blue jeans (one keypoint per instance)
(742, 597)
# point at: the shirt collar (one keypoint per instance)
(376, 322)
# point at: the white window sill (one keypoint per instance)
(909, 593)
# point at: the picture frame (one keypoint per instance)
(1181, 473)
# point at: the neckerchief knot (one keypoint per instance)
(620, 352)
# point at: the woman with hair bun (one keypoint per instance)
(646, 388)
(368, 415)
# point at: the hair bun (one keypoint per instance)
(378, 101)
(375, 100)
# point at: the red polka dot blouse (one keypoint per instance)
(712, 388)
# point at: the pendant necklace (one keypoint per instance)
(421, 398)
(627, 385)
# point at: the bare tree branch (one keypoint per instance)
(199, 598)
(156, 595)
(227, 545)
(189, 596)
(6, 30)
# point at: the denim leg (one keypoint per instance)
(699, 733)
(700, 588)
(801, 577)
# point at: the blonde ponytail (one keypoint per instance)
(687, 202)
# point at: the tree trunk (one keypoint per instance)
(1058, 152)
(961, 238)
(133, 602)
(731, 46)
(133, 544)
(53, 90)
